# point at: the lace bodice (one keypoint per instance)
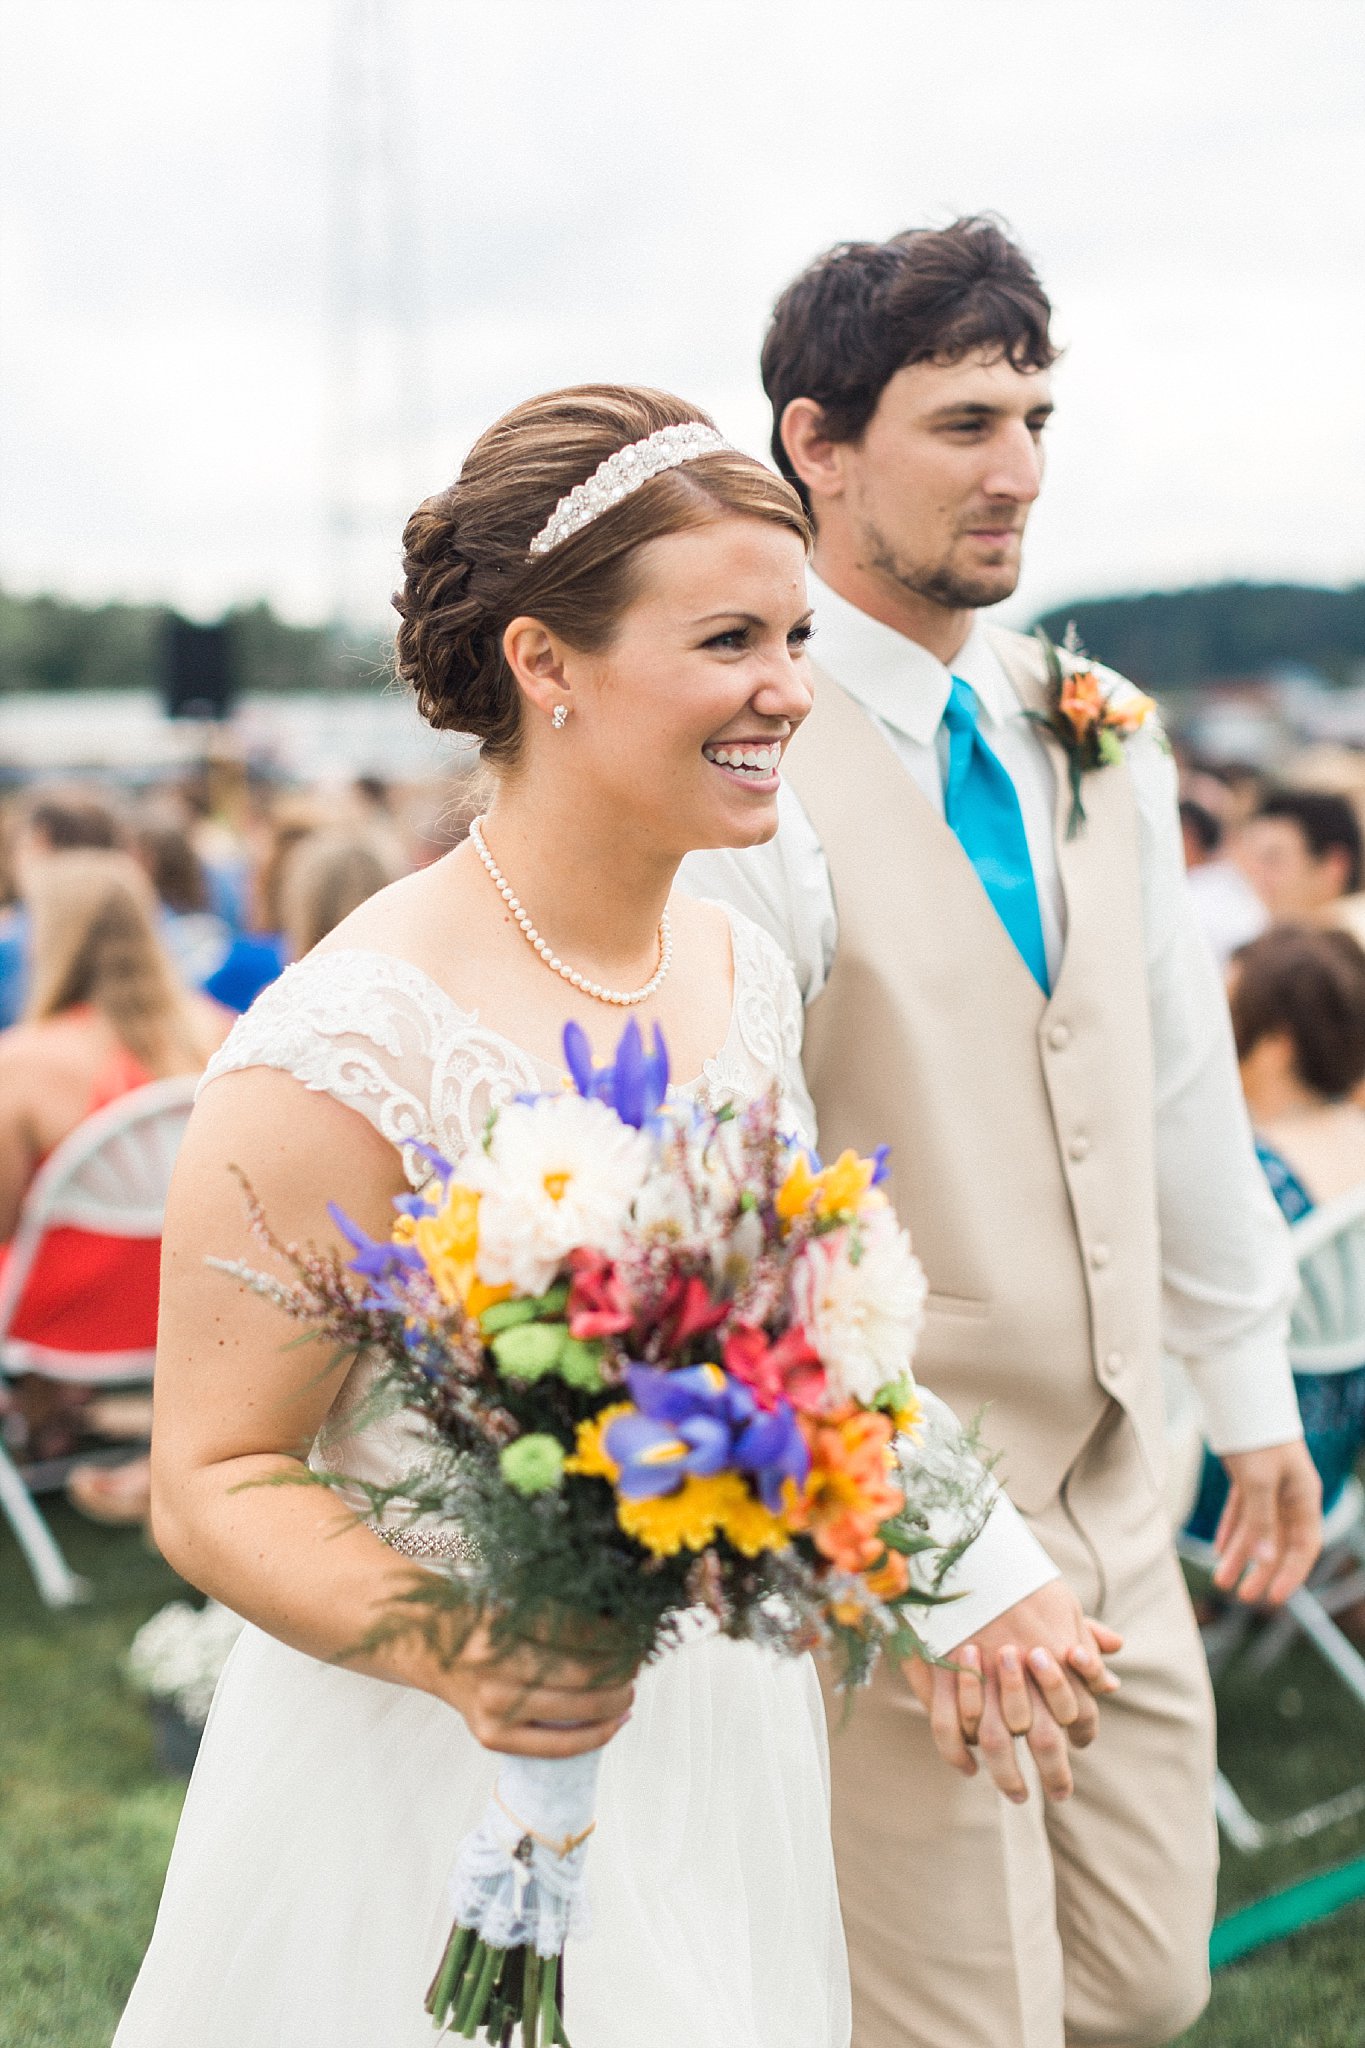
(377, 1034)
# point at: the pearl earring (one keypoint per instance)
(559, 717)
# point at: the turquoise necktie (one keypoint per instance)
(982, 808)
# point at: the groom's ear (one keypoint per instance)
(817, 460)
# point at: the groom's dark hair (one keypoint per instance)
(864, 310)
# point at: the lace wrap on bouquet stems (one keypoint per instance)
(518, 1878)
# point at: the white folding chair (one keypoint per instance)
(109, 1176)
(1327, 1335)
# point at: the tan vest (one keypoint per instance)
(1020, 1127)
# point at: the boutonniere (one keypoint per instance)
(1088, 721)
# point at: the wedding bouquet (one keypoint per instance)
(662, 1356)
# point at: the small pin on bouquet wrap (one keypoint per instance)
(1089, 719)
(662, 1360)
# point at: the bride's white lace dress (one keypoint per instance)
(304, 1903)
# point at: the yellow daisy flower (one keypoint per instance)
(693, 1516)
(670, 1522)
(750, 1526)
(590, 1459)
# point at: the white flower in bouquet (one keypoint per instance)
(694, 1205)
(860, 1294)
(664, 1208)
(558, 1173)
(179, 1655)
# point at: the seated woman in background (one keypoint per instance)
(51, 818)
(197, 939)
(106, 1013)
(259, 955)
(1298, 1015)
(326, 877)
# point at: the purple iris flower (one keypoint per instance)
(772, 1450)
(700, 1421)
(378, 1260)
(694, 1390)
(440, 1166)
(636, 1083)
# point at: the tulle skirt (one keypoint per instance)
(304, 1902)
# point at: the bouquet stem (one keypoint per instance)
(498, 1990)
(515, 1897)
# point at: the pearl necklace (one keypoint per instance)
(621, 997)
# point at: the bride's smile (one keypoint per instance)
(675, 730)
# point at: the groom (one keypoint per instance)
(1026, 1011)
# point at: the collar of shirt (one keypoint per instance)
(896, 679)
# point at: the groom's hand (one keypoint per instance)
(1271, 1530)
(1018, 1677)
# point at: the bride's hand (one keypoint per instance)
(530, 1700)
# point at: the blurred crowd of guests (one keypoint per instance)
(1277, 873)
(133, 928)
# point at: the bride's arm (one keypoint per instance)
(234, 1406)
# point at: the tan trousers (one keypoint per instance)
(973, 1923)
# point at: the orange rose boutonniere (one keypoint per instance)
(1088, 722)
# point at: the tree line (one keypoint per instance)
(1176, 639)
(50, 643)
(1164, 639)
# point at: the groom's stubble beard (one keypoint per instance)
(937, 583)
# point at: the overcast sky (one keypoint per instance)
(536, 192)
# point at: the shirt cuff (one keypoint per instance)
(1248, 1400)
(1005, 1564)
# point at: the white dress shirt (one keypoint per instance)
(1227, 1271)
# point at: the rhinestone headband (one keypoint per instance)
(623, 473)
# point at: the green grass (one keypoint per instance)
(86, 1823)
(1286, 1742)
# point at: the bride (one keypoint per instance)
(633, 662)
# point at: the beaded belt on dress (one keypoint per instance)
(437, 1545)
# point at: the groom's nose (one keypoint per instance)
(1015, 469)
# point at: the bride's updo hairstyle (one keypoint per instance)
(467, 567)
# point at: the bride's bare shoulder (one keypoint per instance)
(433, 905)
(703, 926)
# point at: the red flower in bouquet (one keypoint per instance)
(788, 1370)
(687, 1311)
(600, 1303)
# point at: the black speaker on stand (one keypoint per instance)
(197, 678)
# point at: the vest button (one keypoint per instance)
(1079, 1148)
(1059, 1037)
(1113, 1365)
(1099, 1256)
